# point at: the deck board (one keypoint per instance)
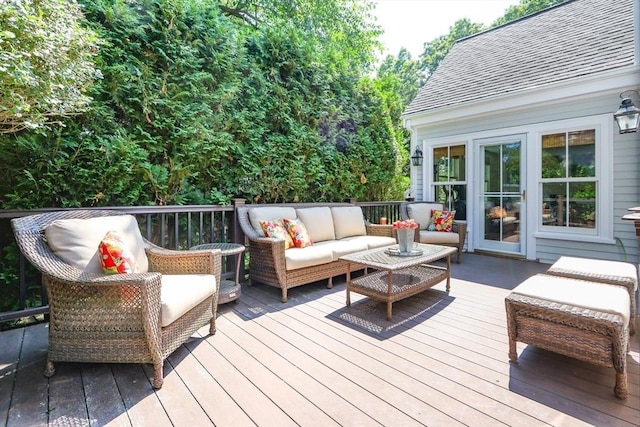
(441, 361)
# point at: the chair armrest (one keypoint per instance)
(168, 261)
(460, 228)
(385, 230)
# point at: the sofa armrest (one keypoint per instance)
(268, 264)
(385, 230)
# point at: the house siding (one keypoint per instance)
(625, 175)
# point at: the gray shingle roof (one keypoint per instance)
(574, 39)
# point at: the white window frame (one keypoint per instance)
(603, 231)
(465, 182)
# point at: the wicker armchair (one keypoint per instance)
(455, 239)
(118, 318)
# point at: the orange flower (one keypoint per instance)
(409, 223)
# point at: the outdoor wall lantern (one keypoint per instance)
(416, 159)
(627, 116)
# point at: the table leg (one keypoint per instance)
(348, 283)
(448, 272)
(238, 258)
(390, 291)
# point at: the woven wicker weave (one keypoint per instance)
(592, 336)
(113, 318)
(458, 227)
(267, 260)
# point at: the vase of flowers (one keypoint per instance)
(405, 232)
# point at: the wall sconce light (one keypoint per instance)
(627, 116)
(416, 159)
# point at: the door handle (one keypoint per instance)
(524, 195)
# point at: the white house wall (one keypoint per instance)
(625, 159)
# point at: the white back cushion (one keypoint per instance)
(76, 241)
(421, 212)
(269, 213)
(348, 221)
(319, 223)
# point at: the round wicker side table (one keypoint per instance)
(229, 289)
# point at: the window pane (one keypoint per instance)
(457, 163)
(582, 153)
(440, 164)
(582, 204)
(554, 204)
(459, 194)
(553, 156)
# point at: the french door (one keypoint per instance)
(501, 195)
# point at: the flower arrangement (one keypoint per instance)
(498, 212)
(408, 223)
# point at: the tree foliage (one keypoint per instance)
(201, 102)
(46, 62)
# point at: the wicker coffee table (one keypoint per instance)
(229, 290)
(398, 276)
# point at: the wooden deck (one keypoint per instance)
(441, 361)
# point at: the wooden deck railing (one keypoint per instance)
(174, 227)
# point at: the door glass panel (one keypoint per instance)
(502, 197)
(511, 171)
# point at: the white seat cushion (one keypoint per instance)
(181, 292)
(373, 242)
(307, 257)
(348, 221)
(439, 237)
(578, 293)
(76, 240)
(345, 247)
(597, 269)
(318, 222)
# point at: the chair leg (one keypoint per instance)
(212, 325)
(49, 369)
(158, 377)
(330, 283)
(284, 295)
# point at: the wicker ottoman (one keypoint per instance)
(596, 270)
(577, 318)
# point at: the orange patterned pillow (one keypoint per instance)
(442, 220)
(115, 257)
(277, 229)
(298, 232)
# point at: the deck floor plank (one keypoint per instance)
(30, 401)
(214, 399)
(441, 361)
(256, 341)
(10, 344)
(257, 405)
(334, 351)
(104, 403)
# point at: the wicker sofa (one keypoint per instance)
(336, 229)
(421, 213)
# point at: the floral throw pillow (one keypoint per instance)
(277, 229)
(298, 233)
(115, 257)
(442, 220)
